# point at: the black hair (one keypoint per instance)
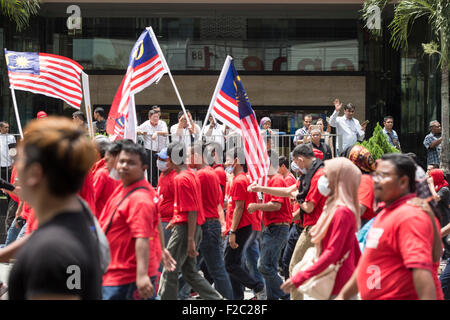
(80, 115)
(388, 117)
(176, 148)
(137, 149)
(349, 106)
(181, 113)
(115, 147)
(404, 166)
(102, 146)
(152, 112)
(100, 111)
(412, 156)
(303, 150)
(273, 158)
(283, 161)
(213, 148)
(307, 116)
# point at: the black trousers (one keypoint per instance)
(152, 170)
(240, 277)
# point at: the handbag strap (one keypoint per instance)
(340, 262)
(118, 205)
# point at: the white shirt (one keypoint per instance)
(160, 142)
(348, 131)
(216, 135)
(5, 158)
(183, 135)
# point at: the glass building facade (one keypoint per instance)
(325, 43)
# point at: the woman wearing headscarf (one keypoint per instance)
(265, 125)
(334, 233)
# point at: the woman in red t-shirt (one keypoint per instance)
(334, 233)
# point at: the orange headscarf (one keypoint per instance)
(344, 179)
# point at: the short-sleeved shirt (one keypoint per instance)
(285, 213)
(310, 219)
(53, 256)
(166, 193)
(366, 196)
(87, 192)
(300, 134)
(104, 187)
(290, 180)
(5, 141)
(161, 141)
(401, 239)
(433, 155)
(210, 186)
(238, 191)
(188, 198)
(135, 217)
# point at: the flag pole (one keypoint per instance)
(87, 103)
(13, 93)
(216, 91)
(166, 66)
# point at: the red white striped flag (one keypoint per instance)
(223, 103)
(256, 156)
(48, 74)
(145, 66)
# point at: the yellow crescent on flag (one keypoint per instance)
(139, 51)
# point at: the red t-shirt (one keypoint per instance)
(366, 196)
(310, 219)
(339, 239)
(285, 213)
(166, 193)
(210, 186)
(221, 174)
(401, 239)
(290, 180)
(32, 221)
(136, 217)
(98, 165)
(87, 192)
(188, 197)
(13, 179)
(104, 186)
(238, 191)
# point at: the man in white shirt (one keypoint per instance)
(154, 132)
(7, 141)
(214, 132)
(348, 129)
(181, 132)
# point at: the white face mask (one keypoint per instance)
(114, 174)
(162, 165)
(229, 169)
(322, 185)
(294, 167)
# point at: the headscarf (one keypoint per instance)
(438, 179)
(263, 121)
(361, 157)
(344, 179)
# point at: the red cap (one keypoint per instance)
(318, 153)
(41, 115)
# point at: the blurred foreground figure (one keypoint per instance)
(61, 260)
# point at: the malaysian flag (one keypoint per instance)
(146, 65)
(223, 103)
(256, 156)
(52, 75)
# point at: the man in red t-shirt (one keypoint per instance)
(239, 227)
(130, 222)
(188, 217)
(310, 199)
(402, 253)
(210, 246)
(276, 216)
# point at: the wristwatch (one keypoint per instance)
(231, 232)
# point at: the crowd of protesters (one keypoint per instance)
(91, 221)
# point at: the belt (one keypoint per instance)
(209, 219)
(279, 224)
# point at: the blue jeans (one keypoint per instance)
(251, 255)
(212, 253)
(14, 233)
(127, 292)
(273, 240)
(445, 281)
